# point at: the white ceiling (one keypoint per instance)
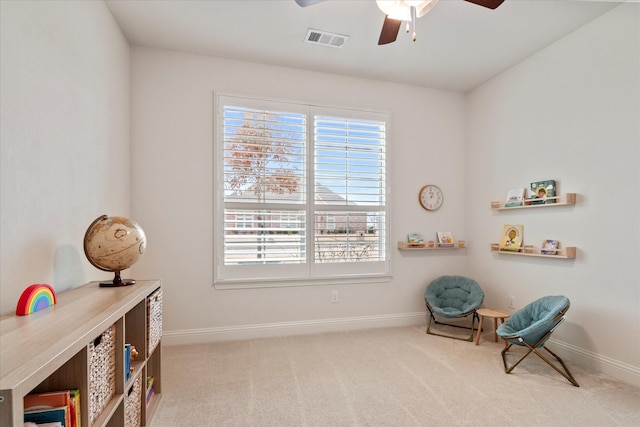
(459, 45)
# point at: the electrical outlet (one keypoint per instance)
(512, 301)
(335, 296)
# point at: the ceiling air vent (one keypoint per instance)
(325, 39)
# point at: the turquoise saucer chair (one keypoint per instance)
(453, 297)
(531, 327)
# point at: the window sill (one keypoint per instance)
(282, 283)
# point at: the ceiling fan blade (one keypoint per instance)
(389, 32)
(491, 4)
(305, 3)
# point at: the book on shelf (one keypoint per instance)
(541, 191)
(445, 239)
(511, 238)
(515, 197)
(549, 247)
(43, 415)
(74, 394)
(45, 407)
(55, 424)
(39, 402)
(127, 362)
(415, 239)
(150, 389)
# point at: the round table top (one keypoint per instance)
(490, 312)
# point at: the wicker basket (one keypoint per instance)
(102, 372)
(133, 404)
(154, 320)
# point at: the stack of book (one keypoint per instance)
(55, 408)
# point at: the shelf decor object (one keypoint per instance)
(36, 297)
(114, 243)
(568, 252)
(564, 200)
(430, 245)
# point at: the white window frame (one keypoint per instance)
(309, 272)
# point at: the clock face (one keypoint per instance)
(430, 197)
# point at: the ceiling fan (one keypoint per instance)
(399, 11)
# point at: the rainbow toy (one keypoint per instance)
(34, 298)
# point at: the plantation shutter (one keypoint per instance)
(264, 185)
(350, 189)
(300, 192)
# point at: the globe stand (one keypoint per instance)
(117, 281)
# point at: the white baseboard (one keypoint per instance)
(231, 333)
(583, 358)
(597, 363)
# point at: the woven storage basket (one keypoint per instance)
(102, 372)
(132, 404)
(154, 320)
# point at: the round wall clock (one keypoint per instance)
(430, 197)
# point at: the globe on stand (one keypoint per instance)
(114, 243)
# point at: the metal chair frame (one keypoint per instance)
(534, 349)
(431, 318)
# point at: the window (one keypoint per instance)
(301, 192)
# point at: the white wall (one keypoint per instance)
(569, 113)
(172, 139)
(64, 139)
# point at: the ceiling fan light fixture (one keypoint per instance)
(405, 10)
(401, 9)
(395, 9)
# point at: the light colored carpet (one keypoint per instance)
(379, 377)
